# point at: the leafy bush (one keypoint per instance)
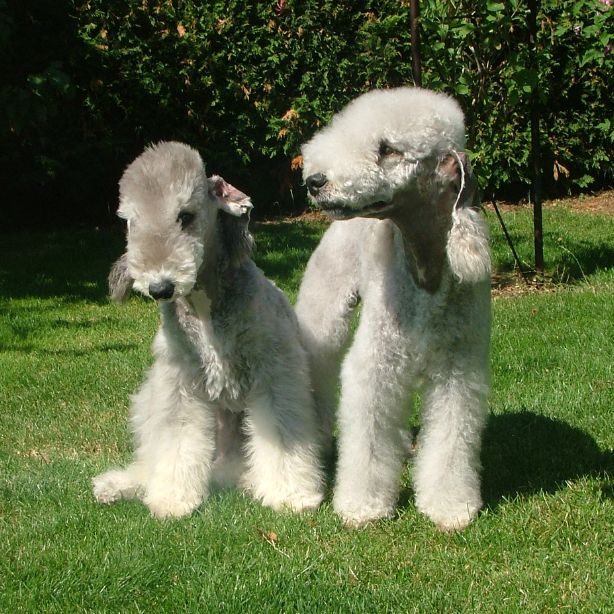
(480, 53)
(88, 83)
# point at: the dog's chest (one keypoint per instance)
(413, 314)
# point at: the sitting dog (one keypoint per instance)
(412, 246)
(228, 359)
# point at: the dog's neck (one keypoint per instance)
(424, 219)
(208, 276)
(226, 254)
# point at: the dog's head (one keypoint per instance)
(392, 152)
(171, 209)
(383, 143)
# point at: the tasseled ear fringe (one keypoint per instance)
(467, 247)
(120, 282)
(234, 210)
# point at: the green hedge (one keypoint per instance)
(88, 83)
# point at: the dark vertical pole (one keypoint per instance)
(414, 20)
(535, 146)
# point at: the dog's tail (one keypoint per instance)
(120, 282)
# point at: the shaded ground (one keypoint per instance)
(512, 283)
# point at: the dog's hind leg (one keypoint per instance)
(175, 440)
(127, 483)
(118, 484)
(325, 305)
(175, 444)
(229, 463)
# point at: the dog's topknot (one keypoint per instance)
(419, 122)
(427, 121)
(168, 168)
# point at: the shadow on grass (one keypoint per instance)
(283, 248)
(71, 265)
(525, 453)
(581, 259)
(75, 265)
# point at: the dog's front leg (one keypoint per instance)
(454, 410)
(374, 395)
(325, 305)
(175, 432)
(447, 465)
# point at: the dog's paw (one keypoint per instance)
(358, 515)
(168, 506)
(288, 494)
(451, 516)
(113, 485)
(301, 502)
(296, 502)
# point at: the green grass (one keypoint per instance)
(69, 360)
(576, 245)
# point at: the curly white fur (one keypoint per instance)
(229, 394)
(414, 249)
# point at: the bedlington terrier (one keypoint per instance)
(414, 250)
(228, 358)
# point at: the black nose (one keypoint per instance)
(315, 182)
(161, 289)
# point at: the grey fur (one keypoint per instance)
(414, 248)
(229, 395)
(120, 282)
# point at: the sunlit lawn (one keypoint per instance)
(69, 360)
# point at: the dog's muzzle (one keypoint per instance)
(315, 182)
(161, 290)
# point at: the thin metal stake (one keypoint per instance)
(511, 244)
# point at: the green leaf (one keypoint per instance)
(495, 7)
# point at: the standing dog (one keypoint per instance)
(414, 249)
(227, 352)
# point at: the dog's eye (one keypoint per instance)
(386, 150)
(185, 218)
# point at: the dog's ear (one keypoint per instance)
(120, 282)
(228, 198)
(235, 207)
(467, 246)
(454, 169)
